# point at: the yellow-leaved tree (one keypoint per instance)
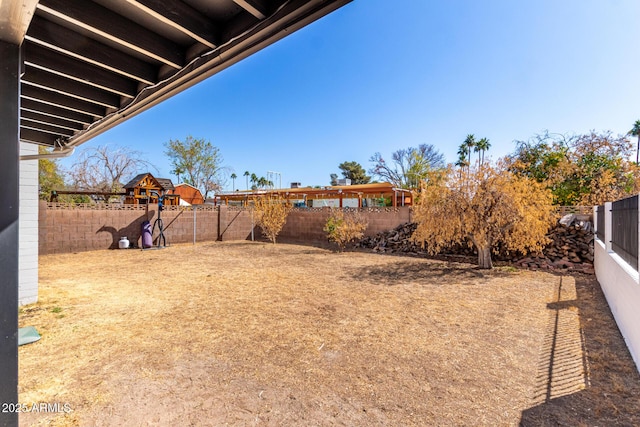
(485, 207)
(271, 215)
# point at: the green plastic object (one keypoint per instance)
(27, 335)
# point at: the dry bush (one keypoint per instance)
(344, 227)
(485, 206)
(271, 215)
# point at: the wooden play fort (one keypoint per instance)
(145, 188)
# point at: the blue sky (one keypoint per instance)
(377, 76)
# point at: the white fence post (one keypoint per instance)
(608, 229)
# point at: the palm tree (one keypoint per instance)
(254, 180)
(233, 178)
(482, 146)
(462, 159)
(463, 152)
(470, 142)
(178, 171)
(636, 132)
(246, 175)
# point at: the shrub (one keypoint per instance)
(271, 215)
(344, 227)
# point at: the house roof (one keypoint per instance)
(136, 180)
(184, 184)
(164, 183)
(91, 64)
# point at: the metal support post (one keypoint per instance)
(608, 227)
(9, 176)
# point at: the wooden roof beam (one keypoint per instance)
(77, 46)
(53, 62)
(44, 127)
(42, 138)
(15, 17)
(35, 106)
(62, 101)
(50, 120)
(70, 87)
(181, 17)
(108, 25)
(254, 7)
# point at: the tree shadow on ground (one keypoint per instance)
(427, 271)
(586, 374)
(132, 232)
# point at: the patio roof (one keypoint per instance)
(88, 65)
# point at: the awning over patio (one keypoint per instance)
(89, 65)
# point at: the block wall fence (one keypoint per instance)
(65, 228)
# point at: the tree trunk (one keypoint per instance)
(484, 258)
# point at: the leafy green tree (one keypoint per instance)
(407, 166)
(50, 175)
(200, 161)
(334, 179)
(355, 172)
(578, 169)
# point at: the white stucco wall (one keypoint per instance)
(28, 227)
(621, 287)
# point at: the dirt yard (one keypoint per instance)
(253, 334)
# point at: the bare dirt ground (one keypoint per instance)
(251, 334)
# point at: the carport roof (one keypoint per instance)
(91, 64)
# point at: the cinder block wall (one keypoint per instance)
(305, 225)
(65, 229)
(235, 224)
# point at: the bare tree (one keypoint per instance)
(408, 166)
(104, 169)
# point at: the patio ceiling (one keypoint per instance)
(91, 64)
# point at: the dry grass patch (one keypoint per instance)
(248, 333)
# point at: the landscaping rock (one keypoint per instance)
(570, 247)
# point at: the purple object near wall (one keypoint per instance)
(147, 239)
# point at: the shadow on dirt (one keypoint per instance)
(586, 374)
(428, 271)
